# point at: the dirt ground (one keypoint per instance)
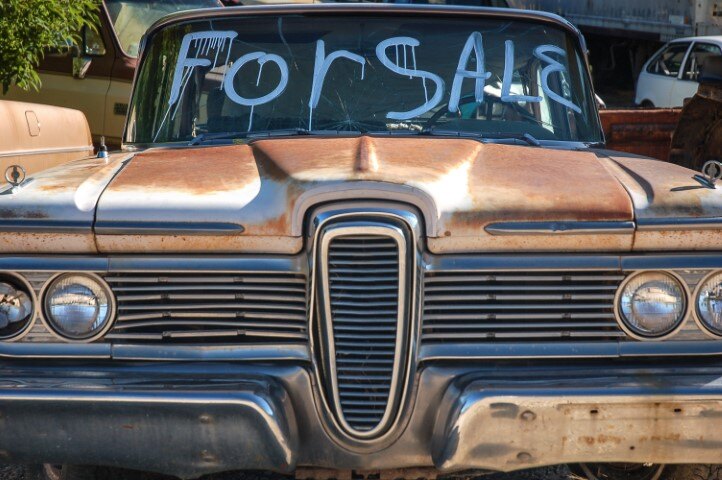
(17, 472)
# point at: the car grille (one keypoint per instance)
(471, 306)
(363, 274)
(202, 307)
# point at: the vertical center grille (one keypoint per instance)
(363, 310)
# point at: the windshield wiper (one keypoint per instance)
(282, 132)
(524, 137)
(527, 138)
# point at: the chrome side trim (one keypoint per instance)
(45, 226)
(699, 223)
(167, 228)
(221, 353)
(43, 151)
(671, 262)
(560, 228)
(153, 263)
(498, 263)
(190, 264)
(98, 351)
(579, 350)
(144, 352)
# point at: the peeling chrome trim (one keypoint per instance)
(698, 223)
(560, 228)
(167, 228)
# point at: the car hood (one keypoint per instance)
(254, 197)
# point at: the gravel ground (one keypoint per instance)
(17, 472)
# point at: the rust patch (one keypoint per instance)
(9, 213)
(640, 132)
(600, 440)
(189, 171)
(367, 160)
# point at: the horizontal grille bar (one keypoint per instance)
(468, 306)
(204, 307)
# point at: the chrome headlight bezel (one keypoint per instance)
(679, 324)
(709, 331)
(28, 288)
(54, 330)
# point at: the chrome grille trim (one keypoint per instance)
(237, 307)
(365, 268)
(542, 306)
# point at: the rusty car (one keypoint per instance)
(363, 241)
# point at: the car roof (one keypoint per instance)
(357, 8)
(708, 38)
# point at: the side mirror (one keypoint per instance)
(601, 105)
(81, 64)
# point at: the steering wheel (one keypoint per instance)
(468, 99)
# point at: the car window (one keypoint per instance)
(669, 61)
(699, 55)
(131, 18)
(362, 73)
(94, 45)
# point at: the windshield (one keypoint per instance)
(363, 73)
(131, 18)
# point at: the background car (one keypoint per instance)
(670, 76)
(96, 78)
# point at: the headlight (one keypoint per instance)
(78, 306)
(652, 304)
(709, 303)
(17, 306)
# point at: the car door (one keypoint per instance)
(687, 84)
(662, 72)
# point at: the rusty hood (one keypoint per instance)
(474, 197)
(254, 197)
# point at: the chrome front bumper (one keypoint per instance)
(190, 419)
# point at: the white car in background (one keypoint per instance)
(670, 76)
